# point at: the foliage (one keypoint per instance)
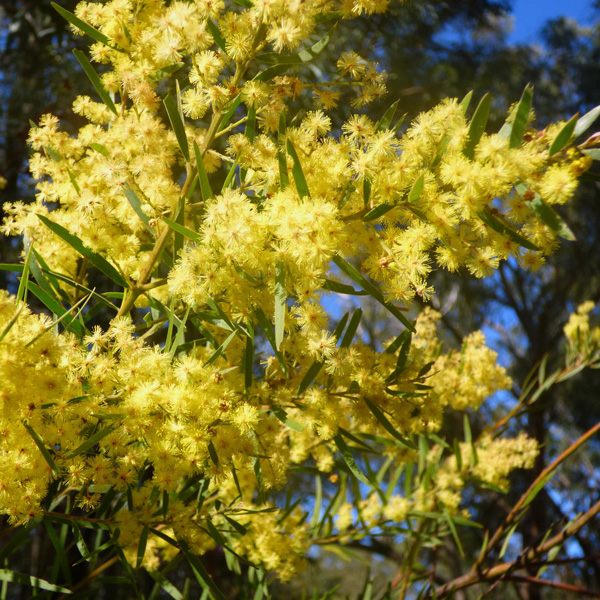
(215, 222)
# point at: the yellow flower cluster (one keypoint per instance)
(582, 336)
(193, 432)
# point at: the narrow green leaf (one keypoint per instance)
(269, 332)
(34, 582)
(564, 135)
(221, 349)
(91, 442)
(259, 480)
(57, 308)
(593, 153)
(271, 72)
(507, 539)
(342, 288)
(237, 526)
(178, 126)
(165, 584)
(166, 71)
(99, 148)
(42, 447)
(136, 204)
(249, 358)
(366, 191)
(310, 376)
(282, 416)
(93, 77)
(586, 121)
(230, 176)
(217, 36)
(23, 283)
(205, 189)
(386, 121)
(230, 109)
(203, 577)
(546, 213)
(98, 261)
(417, 188)
(519, 125)
(373, 291)
(284, 180)
(315, 518)
(213, 454)
(251, 124)
(280, 301)
(82, 25)
(274, 58)
(489, 219)
(141, 549)
(349, 459)
(377, 212)
(464, 103)
(452, 526)
(192, 235)
(352, 327)
(477, 126)
(297, 172)
(387, 425)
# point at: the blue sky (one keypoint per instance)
(530, 16)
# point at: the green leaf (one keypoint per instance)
(249, 358)
(564, 135)
(217, 36)
(201, 575)
(303, 56)
(546, 213)
(310, 376)
(230, 108)
(366, 190)
(141, 549)
(57, 308)
(23, 283)
(205, 189)
(98, 261)
(342, 288)
(99, 148)
(373, 291)
(387, 425)
(280, 300)
(586, 121)
(237, 526)
(452, 526)
(464, 103)
(386, 121)
(34, 582)
(165, 584)
(267, 328)
(282, 416)
(42, 447)
(271, 72)
(284, 180)
(490, 220)
(93, 77)
(136, 204)
(297, 172)
(192, 235)
(477, 126)
(177, 124)
(250, 124)
(221, 349)
(519, 125)
(377, 212)
(352, 327)
(349, 459)
(91, 442)
(417, 188)
(82, 25)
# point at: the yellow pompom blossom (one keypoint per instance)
(196, 432)
(583, 337)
